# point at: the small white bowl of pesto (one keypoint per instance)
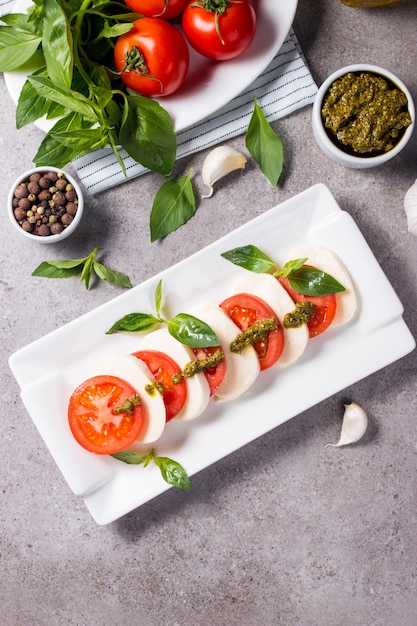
(363, 116)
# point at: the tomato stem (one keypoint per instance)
(135, 62)
(218, 7)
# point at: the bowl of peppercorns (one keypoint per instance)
(45, 204)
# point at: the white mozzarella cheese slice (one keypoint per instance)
(269, 289)
(198, 390)
(137, 374)
(241, 369)
(327, 261)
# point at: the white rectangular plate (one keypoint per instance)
(343, 355)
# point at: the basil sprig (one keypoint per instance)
(84, 267)
(75, 83)
(171, 471)
(185, 328)
(308, 281)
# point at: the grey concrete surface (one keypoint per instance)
(284, 531)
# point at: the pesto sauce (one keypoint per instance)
(199, 365)
(257, 331)
(152, 388)
(302, 314)
(365, 114)
(127, 405)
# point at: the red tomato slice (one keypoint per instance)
(163, 369)
(214, 375)
(245, 309)
(325, 308)
(92, 417)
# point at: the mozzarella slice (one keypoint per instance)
(198, 390)
(241, 369)
(326, 260)
(137, 374)
(269, 289)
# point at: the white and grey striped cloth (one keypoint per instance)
(283, 87)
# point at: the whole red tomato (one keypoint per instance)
(152, 58)
(219, 29)
(165, 9)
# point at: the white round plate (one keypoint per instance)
(209, 85)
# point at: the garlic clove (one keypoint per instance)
(410, 207)
(219, 162)
(354, 425)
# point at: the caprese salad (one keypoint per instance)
(215, 351)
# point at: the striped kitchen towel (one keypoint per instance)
(283, 87)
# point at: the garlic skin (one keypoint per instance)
(354, 425)
(219, 162)
(410, 207)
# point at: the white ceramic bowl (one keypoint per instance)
(67, 230)
(330, 148)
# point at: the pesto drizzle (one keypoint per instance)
(302, 314)
(127, 406)
(199, 365)
(257, 331)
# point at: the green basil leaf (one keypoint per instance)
(88, 269)
(16, 47)
(99, 74)
(310, 281)
(250, 258)
(58, 269)
(19, 22)
(70, 99)
(173, 205)
(80, 140)
(57, 44)
(133, 323)
(173, 473)
(291, 266)
(191, 331)
(148, 135)
(31, 106)
(113, 30)
(112, 276)
(51, 150)
(264, 145)
(158, 297)
(130, 457)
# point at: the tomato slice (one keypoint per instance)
(93, 420)
(163, 369)
(245, 309)
(324, 312)
(215, 374)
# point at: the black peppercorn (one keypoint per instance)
(45, 204)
